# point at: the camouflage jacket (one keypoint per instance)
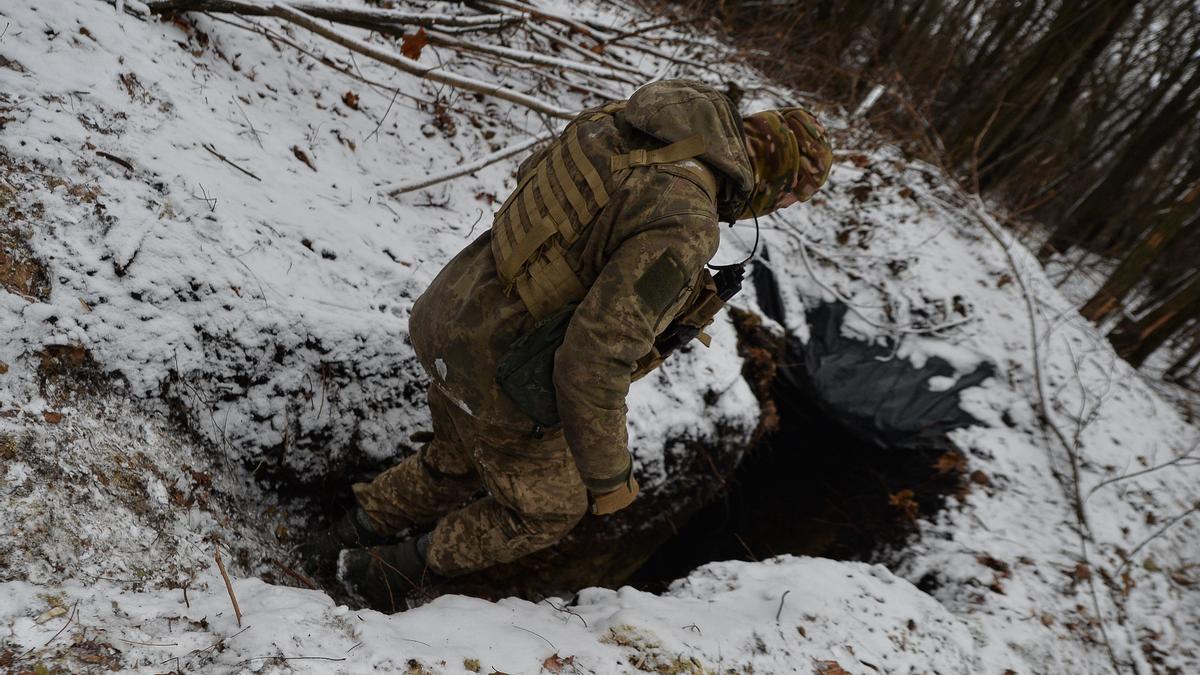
(639, 260)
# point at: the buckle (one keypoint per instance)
(637, 157)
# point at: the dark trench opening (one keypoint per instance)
(860, 453)
(811, 488)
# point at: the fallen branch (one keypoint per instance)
(520, 56)
(536, 13)
(432, 73)
(465, 169)
(365, 16)
(585, 53)
(225, 159)
(307, 15)
(237, 611)
(114, 158)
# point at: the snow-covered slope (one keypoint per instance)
(267, 314)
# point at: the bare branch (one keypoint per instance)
(465, 169)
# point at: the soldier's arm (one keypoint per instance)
(614, 325)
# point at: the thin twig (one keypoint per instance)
(296, 575)
(70, 617)
(253, 131)
(743, 543)
(292, 658)
(585, 53)
(228, 161)
(526, 57)
(1158, 533)
(651, 27)
(566, 610)
(781, 599)
(384, 117)
(208, 648)
(533, 633)
(237, 611)
(1143, 472)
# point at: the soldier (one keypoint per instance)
(532, 334)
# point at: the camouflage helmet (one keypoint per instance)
(790, 152)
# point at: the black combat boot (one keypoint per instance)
(353, 530)
(387, 576)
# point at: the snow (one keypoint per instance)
(268, 318)
(723, 616)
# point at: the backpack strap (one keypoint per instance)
(689, 147)
(701, 174)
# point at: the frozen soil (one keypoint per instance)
(187, 349)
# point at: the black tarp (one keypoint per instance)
(886, 401)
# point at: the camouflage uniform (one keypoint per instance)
(642, 233)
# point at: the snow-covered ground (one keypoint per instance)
(267, 314)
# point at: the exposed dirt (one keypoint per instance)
(20, 271)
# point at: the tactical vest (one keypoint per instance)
(561, 195)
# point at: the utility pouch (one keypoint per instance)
(526, 371)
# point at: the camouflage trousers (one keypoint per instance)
(534, 492)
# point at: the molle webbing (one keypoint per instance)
(556, 201)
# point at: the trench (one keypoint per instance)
(859, 456)
(850, 455)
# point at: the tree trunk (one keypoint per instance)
(1106, 198)
(1137, 339)
(1045, 119)
(1132, 268)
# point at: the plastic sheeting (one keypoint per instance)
(882, 400)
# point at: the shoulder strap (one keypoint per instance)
(703, 175)
(689, 147)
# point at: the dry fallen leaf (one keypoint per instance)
(830, 668)
(303, 157)
(351, 100)
(411, 45)
(1082, 572)
(906, 504)
(555, 663)
(951, 462)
